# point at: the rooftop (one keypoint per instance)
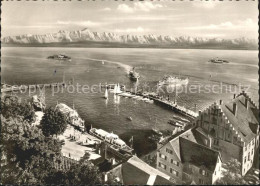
(187, 146)
(245, 121)
(197, 154)
(135, 171)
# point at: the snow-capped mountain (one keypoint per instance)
(86, 35)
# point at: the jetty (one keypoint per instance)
(11, 88)
(159, 100)
(112, 86)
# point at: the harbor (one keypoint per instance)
(159, 100)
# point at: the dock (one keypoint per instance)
(159, 100)
(112, 86)
(11, 88)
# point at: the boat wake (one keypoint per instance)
(127, 68)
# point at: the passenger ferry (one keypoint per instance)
(110, 138)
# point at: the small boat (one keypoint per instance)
(103, 62)
(129, 118)
(157, 131)
(106, 94)
(117, 89)
(180, 119)
(174, 123)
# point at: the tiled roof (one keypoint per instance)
(189, 134)
(246, 120)
(197, 154)
(137, 172)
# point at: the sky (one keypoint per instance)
(228, 19)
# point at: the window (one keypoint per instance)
(245, 148)
(253, 142)
(227, 125)
(174, 162)
(163, 156)
(215, 142)
(174, 172)
(202, 172)
(201, 181)
(248, 156)
(252, 152)
(245, 160)
(162, 165)
(169, 151)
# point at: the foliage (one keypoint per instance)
(13, 107)
(27, 155)
(232, 175)
(82, 173)
(53, 122)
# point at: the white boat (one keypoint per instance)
(137, 97)
(118, 89)
(106, 94)
(115, 89)
(129, 118)
(103, 62)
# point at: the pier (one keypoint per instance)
(11, 88)
(167, 104)
(112, 86)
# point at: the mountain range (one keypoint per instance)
(88, 38)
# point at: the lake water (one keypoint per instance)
(30, 66)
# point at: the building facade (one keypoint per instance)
(188, 162)
(232, 129)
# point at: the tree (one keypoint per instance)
(53, 122)
(26, 154)
(79, 173)
(232, 175)
(13, 107)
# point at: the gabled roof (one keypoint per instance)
(189, 134)
(198, 155)
(135, 171)
(246, 120)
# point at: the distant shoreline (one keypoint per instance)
(119, 45)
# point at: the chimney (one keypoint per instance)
(220, 102)
(234, 96)
(246, 103)
(234, 109)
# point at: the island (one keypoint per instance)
(60, 57)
